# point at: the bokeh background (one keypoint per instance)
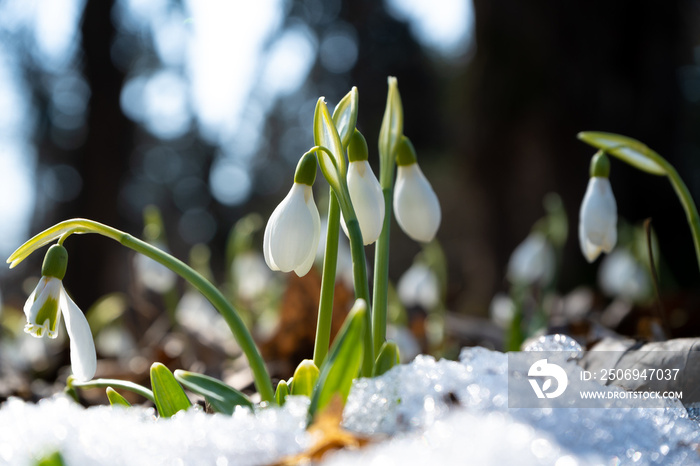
(202, 109)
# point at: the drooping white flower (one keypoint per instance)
(367, 199)
(621, 276)
(416, 206)
(44, 308)
(597, 229)
(292, 232)
(154, 275)
(419, 286)
(532, 261)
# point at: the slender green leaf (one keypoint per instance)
(115, 399)
(169, 395)
(343, 362)
(305, 377)
(629, 150)
(281, 392)
(345, 115)
(222, 397)
(388, 357)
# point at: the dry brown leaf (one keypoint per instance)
(328, 436)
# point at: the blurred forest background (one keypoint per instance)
(203, 109)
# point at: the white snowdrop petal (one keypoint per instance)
(598, 219)
(30, 301)
(367, 199)
(308, 262)
(416, 206)
(82, 347)
(292, 233)
(532, 261)
(266, 241)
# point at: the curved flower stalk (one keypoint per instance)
(48, 302)
(597, 229)
(365, 191)
(240, 332)
(640, 156)
(293, 231)
(416, 206)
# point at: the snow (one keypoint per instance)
(425, 412)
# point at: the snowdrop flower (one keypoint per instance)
(48, 302)
(292, 232)
(621, 275)
(365, 192)
(532, 261)
(419, 286)
(416, 206)
(153, 275)
(597, 230)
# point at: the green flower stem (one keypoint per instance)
(380, 302)
(114, 383)
(330, 263)
(643, 158)
(238, 328)
(359, 274)
(691, 210)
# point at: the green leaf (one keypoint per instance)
(345, 115)
(628, 150)
(169, 395)
(326, 135)
(305, 377)
(52, 459)
(391, 130)
(343, 362)
(115, 399)
(388, 357)
(222, 397)
(281, 392)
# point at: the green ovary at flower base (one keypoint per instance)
(597, 229)
(48, 302)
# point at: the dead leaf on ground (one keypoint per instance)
(328, 436)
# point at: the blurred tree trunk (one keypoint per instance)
(96, 265)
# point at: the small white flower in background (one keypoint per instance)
(622, 276)
(292, 232)
(367, 199)
(153, 275)
(251, 275)
(502, 310)
(419, 286)
(597, 229)
(48, 302)
(197, 315)
(416, 206)
(532, 261)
